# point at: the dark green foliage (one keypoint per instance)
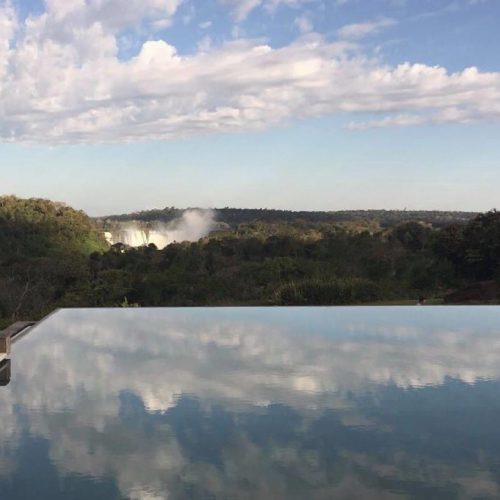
(334, 292)
(237, 216)
(44, 249)
(413, 235)
(53, 256)
(41, 227)
(475, 250)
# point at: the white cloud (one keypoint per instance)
(111, 14)
(62, 82)
(304, 24)
(8, 26)
(357, 31)
(189, 15)
(241, 8)
(161, 24)
(237, 31)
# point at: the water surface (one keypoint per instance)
(251, 403)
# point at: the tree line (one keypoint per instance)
(235, 216)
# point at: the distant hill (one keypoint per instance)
(38, 227)
(44, 252)
(236, 216)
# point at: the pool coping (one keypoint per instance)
(8, 336)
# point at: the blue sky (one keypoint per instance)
(120, 105)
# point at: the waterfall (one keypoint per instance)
(193, 225)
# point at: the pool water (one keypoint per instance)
(254, 403)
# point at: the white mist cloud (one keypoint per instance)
(192, 226)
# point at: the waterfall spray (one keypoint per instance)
(193, 225)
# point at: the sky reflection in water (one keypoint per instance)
(254, 403)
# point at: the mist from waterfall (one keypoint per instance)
(193, 225)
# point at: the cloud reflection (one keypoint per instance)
(277, 403)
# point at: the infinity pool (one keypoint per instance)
(254, 403)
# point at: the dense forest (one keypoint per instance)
(235, 216)
(53, 256)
